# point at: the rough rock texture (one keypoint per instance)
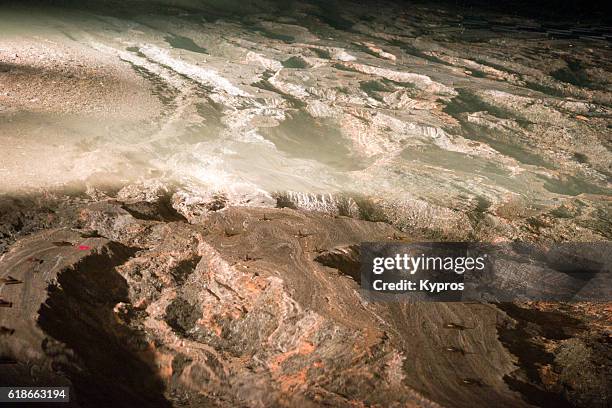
(261, 307)
(184, 185)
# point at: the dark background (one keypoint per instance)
(598, 12)
(569, 10)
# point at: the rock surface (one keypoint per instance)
(183, 187)
(478, 127)
(259, 307)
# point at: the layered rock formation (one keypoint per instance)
(129, 304)
(184, 186)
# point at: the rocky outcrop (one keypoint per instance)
(184, 187)
(261, 307)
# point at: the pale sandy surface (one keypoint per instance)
(469, 133)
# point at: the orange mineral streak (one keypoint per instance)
(292, 382)
(304, 348)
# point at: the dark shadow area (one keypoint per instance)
(331, 12)
(184, 43)
(109, 365)
(560, 11)
(160, 210)
(344, 259)
(521, 341)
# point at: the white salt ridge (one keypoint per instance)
(420, 81)
(267, 63)
(335, 53)
(288, 88)
(378, 51)
(201, 75)
(174, 81)
(328, 203)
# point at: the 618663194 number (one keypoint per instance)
(34, 394)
